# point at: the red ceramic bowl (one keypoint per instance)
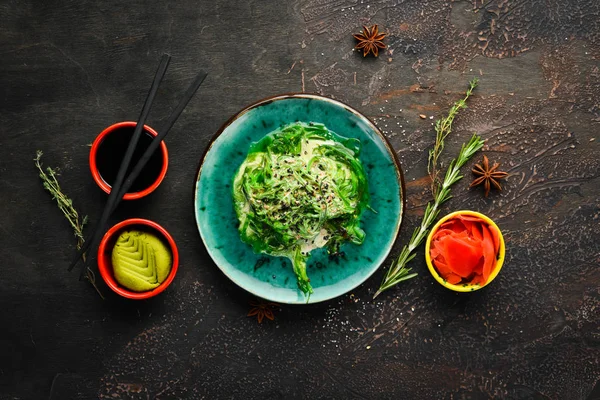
(98, 177)
(105, 256)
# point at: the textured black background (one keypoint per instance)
(71, 68)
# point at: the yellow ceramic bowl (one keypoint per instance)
(466, 287)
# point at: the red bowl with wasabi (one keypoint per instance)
(465, 251)
(138, 258)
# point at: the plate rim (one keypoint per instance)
(291, 95)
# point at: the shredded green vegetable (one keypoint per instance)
(301, 187)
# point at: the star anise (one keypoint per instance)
(487, 175)
(262, 309)
(370, 40)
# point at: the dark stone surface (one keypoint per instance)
(71, 68)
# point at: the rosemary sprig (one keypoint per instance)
(398, 271)
(65, 204)
(443, 127)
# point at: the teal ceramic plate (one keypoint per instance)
(271, 277)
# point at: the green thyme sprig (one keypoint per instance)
(443, 127)
(48, 177)
(398, 271)
(65, 204)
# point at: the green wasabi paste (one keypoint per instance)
(141, 261)
(301, 187)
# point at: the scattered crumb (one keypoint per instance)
(292, 67)
(423, 116)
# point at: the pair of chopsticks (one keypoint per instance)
(122, 184)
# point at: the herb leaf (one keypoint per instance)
(443, 127)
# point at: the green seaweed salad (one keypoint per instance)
(301, 187)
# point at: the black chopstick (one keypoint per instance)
(188, 95)
(191, 90)
(116, 186)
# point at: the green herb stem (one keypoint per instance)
(398, 271)
(443, 127)
(65, 204)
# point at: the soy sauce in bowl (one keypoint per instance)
(109, 149)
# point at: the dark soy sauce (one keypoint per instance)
(112, 150)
